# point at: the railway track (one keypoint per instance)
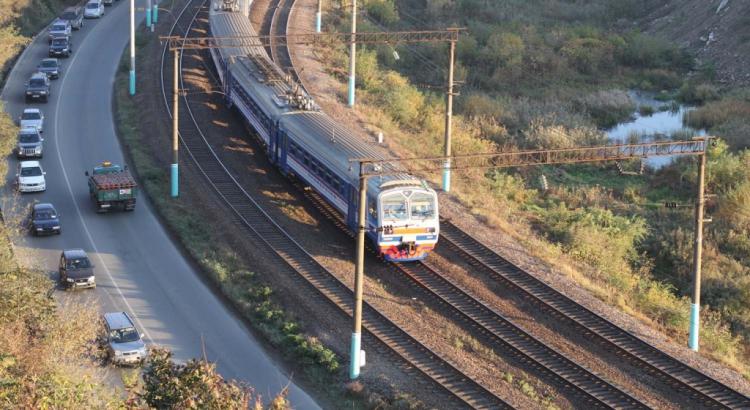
(501, 333)
(279, 27)
(708, 391)
(322, 283)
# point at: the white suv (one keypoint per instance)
(32, 117)
(30, 177)
(94, 9)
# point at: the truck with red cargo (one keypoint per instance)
(112, 187)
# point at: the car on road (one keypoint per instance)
(94, 9)
(60, 47)
(30, 143)
(107, 2)
(37, 88)
(74, 15)
(59, 28)
(124, 343)
(44, 220)
(32, 117)
(76, 270)
(30, 177)
(51, 67)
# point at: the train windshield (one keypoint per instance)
(394, 207)
(422, 206)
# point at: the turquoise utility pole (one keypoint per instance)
(132, 47)
(148, 13)
(448, 121)
(156, 11)
(352, 53)
(697, 256)
(174, 171)
(359, 276)
(318, 17)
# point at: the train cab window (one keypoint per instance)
(372, 208)
(422, 206)
(394, 207)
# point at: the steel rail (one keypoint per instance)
(264, 229)
(501, 332)
(709, 392)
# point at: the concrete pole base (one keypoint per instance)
(354, 354)
(175, 177)
(694, 326)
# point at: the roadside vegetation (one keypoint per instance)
(51, 354)
(553, 74)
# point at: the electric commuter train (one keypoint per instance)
(302, 141)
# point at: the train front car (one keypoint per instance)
(408, 223)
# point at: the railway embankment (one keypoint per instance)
(484, 205)
(388, 294)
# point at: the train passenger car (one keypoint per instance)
(402, 211)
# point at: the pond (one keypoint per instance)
(652, 120)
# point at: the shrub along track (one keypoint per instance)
(447, 380)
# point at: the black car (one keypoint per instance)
(76, 270)
(60, 46)
(44, 220)
(74, 15)
(37, 88)
(51, 67)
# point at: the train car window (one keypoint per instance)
(394, 207)
(422, 206)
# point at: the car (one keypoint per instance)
(124, 343)
(76, 270)
(30, 177)
(74, 15)
(51, 67)
(30, 143)
(59, 28)
(60, 46)
(38, 88)
(44, 219)
(32, 117)
(94, 9)
(107, 2)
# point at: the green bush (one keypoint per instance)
(692, 93)
(384, 11)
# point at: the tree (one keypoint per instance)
(195, 384)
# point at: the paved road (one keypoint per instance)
(138, 268)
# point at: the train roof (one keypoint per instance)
(321, 136)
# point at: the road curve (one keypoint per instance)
(139, 269)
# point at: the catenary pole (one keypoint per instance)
(148, 13)
(449, 121)
(318, 16)
(355, 353)
(353, 54)
(697, 257)
(132, 47)
(175, 130)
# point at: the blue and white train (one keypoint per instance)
(402, 211)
